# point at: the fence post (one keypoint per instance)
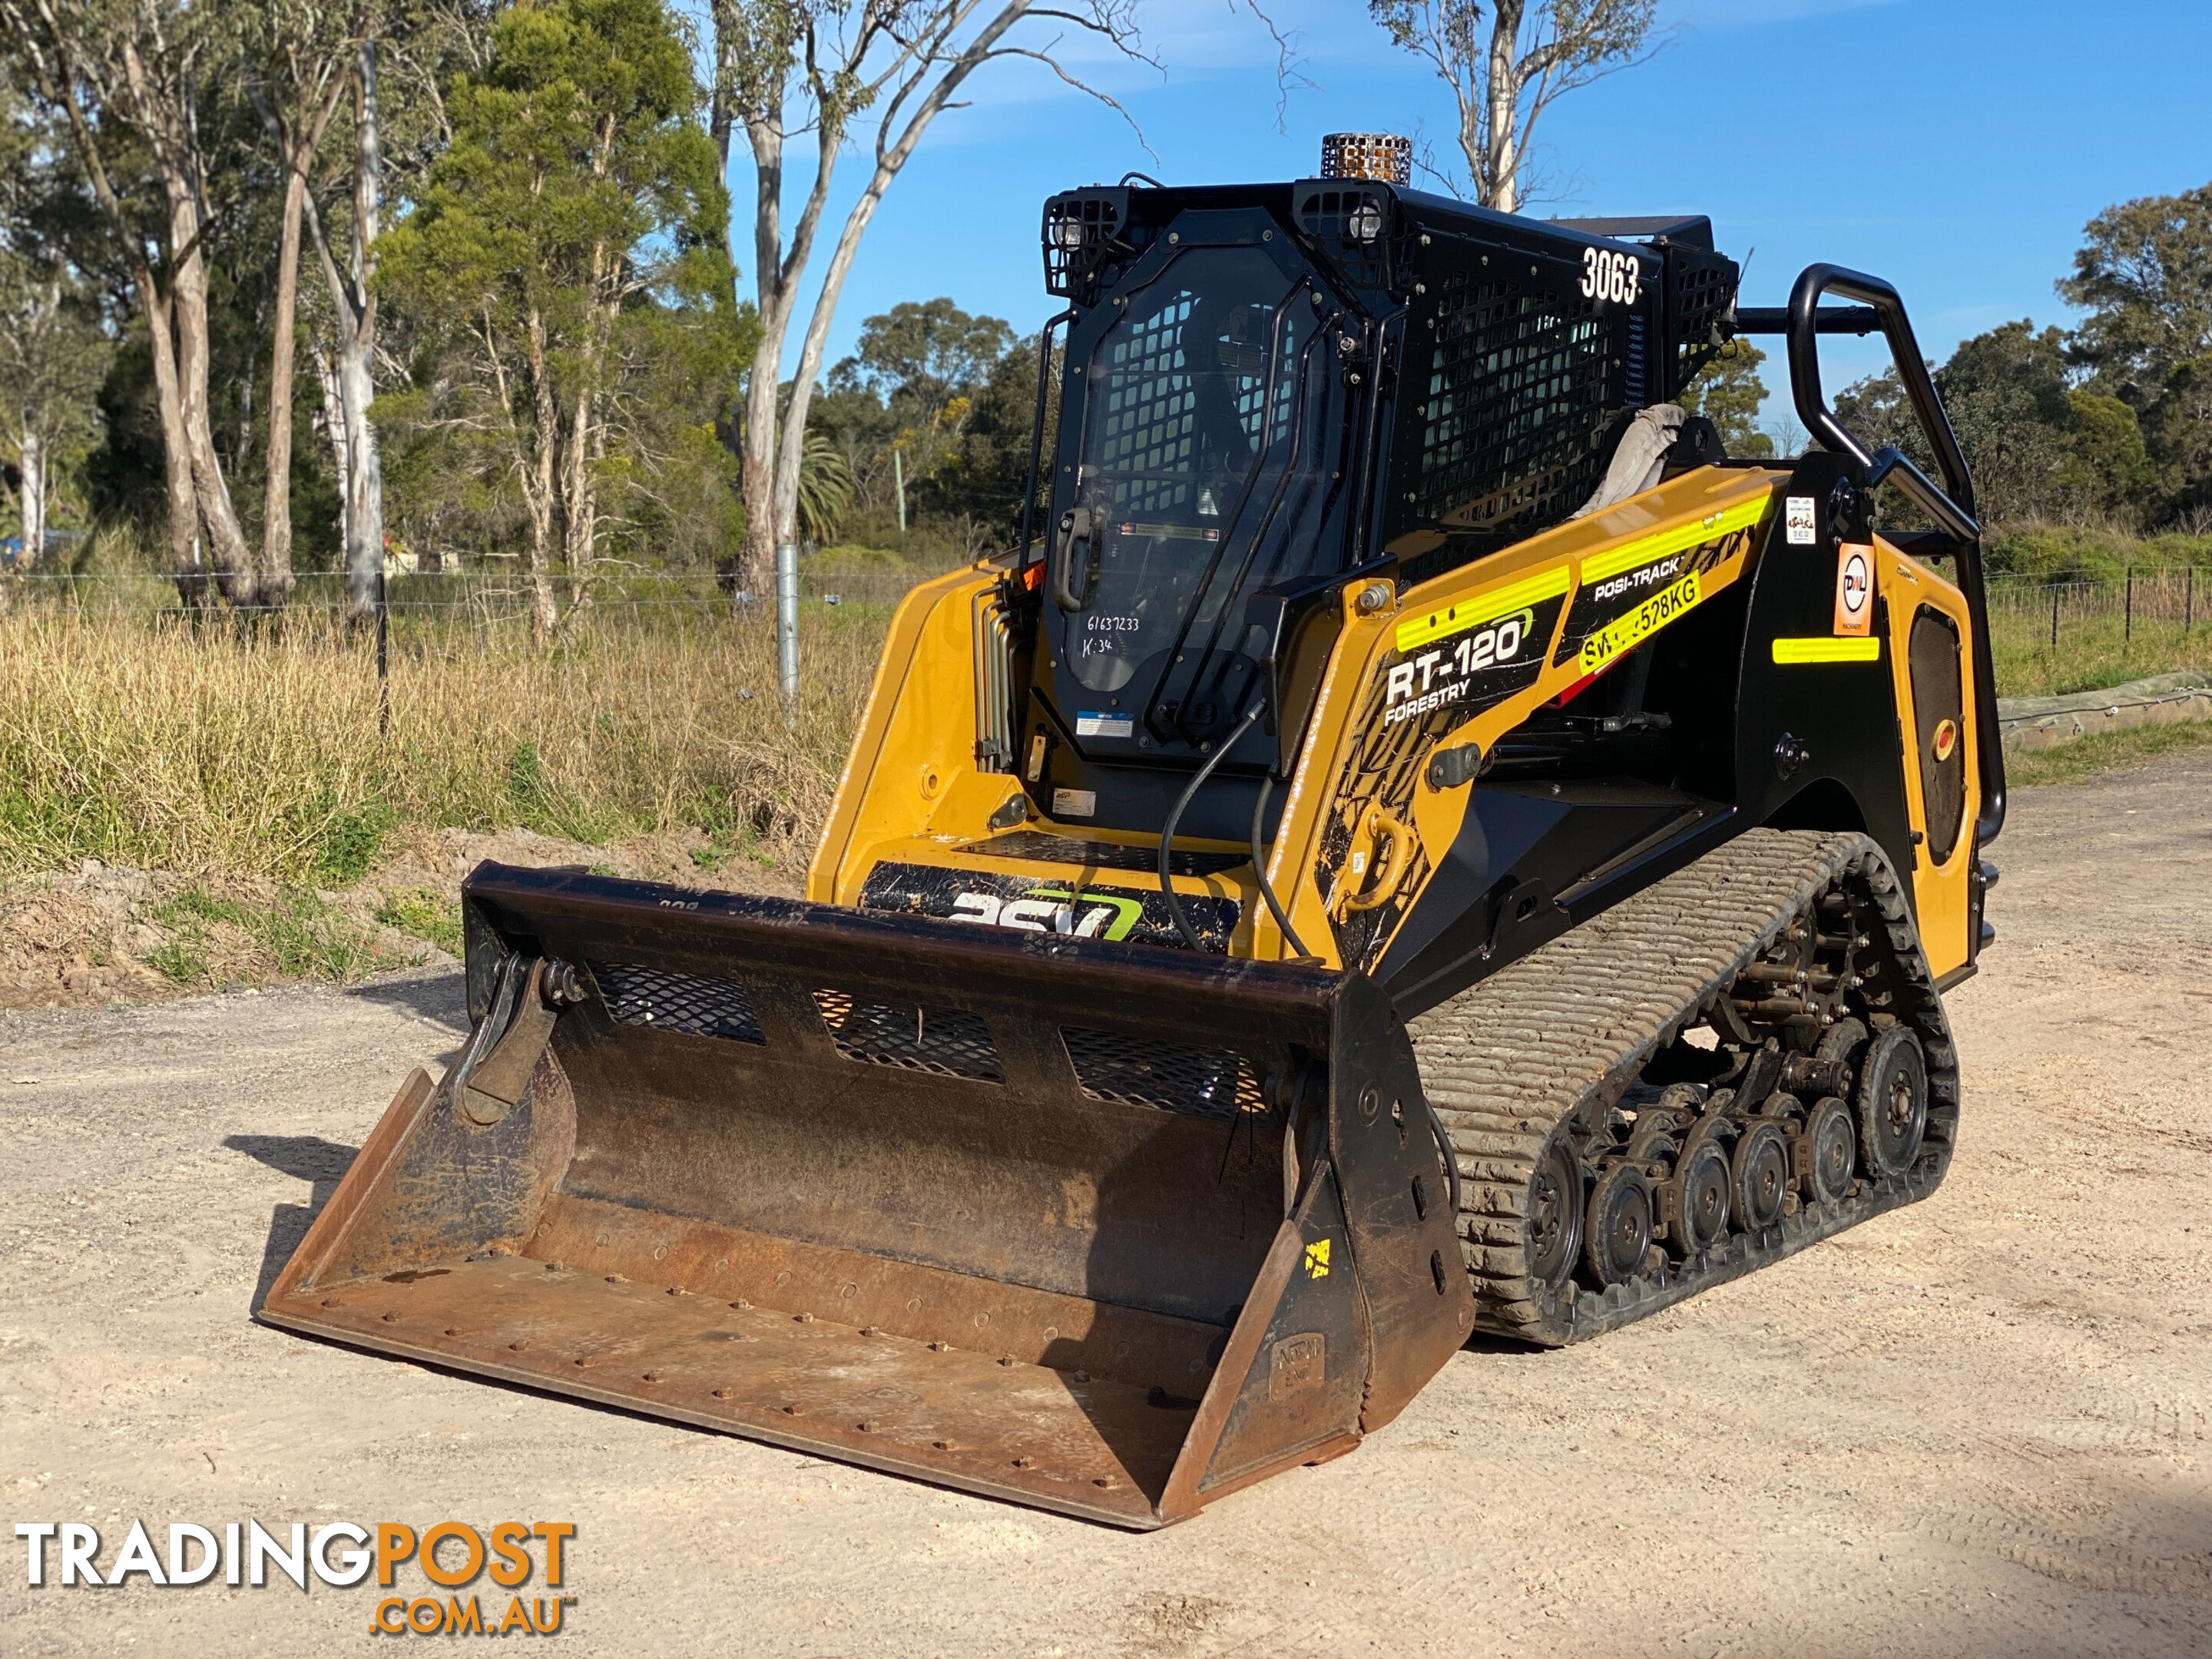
(2054, 615)
(787, 626)
(2128, 625)
(2188, 603)
(383, 657)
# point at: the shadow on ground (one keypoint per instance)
(305, 1157)
(440, 995)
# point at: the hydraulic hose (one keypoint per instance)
(1259, 867)
(1167, 831)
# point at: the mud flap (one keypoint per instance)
(1109, 1229)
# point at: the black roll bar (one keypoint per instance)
(1951, 506)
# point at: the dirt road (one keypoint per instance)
(1981, 1426)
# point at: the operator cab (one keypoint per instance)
(1270, 390)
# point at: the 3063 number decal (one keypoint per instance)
(1617, 278)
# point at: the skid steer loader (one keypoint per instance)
(1413, 839)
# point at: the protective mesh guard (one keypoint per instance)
(1704, 287)
(950, 1042)
(1517, 396)
(1201, 1082)
(677, 1002)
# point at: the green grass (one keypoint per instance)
(2085, 757)
(302, 936)
(421, 914)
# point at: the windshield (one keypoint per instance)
(1211, 465)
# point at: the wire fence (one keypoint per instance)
(2149, 602)
(476, 598)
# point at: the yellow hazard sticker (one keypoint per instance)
(1317, 1259)
(1825, 648)
(1639, 624)
(1463, 614)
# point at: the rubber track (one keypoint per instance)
(1561, 1033)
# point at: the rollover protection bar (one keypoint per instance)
(1951, 506)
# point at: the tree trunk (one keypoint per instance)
(539, 485)
(188, 318)
(189, 569)
(792, 450)
(578, 500)
(34, 493)
(1499, 184)
(326, 378)
(364, 517)
(273, 580)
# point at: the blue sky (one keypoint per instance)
(1955, 146)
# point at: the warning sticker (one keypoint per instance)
(1639, 624)
(1854, 590)
(1797, 521)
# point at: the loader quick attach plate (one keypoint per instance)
(1104, 1228)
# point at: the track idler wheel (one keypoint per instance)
(1761, 1176)
(1555, 1216)
(1834, 1141)
(1618, 1234)
(1892, 1102)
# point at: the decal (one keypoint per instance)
(1025, 904)
(1108, 637)
(1854, 589)
(1317, 1259)
(1297, 1363)
(1609, 275)
(1095, 723)
(1647, 619)
(1797, 521)
(1824, 648)
(1447, 620)
(1459, 672)
(1075, 803)
(1616, 584)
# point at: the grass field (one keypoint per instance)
(163, 746)
(217, 753)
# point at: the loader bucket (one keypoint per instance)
(1107, 1228)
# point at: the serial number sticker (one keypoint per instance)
(1648, 618)
(1075, 803)
(1095, 723)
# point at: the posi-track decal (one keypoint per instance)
(1629, 594)
(1026, 904)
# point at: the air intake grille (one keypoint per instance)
(1517, 396)
(677, 1002)
(1202, 1082)
(949, 1041)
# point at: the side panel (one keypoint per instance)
(1464, 659)
(1819, 735)
(913, 760)
(1931, 636)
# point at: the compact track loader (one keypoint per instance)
(1413, 839)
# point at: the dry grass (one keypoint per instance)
(2091, 654)
(149, 743)
(163, 746)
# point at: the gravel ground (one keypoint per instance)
(1980, 1426)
